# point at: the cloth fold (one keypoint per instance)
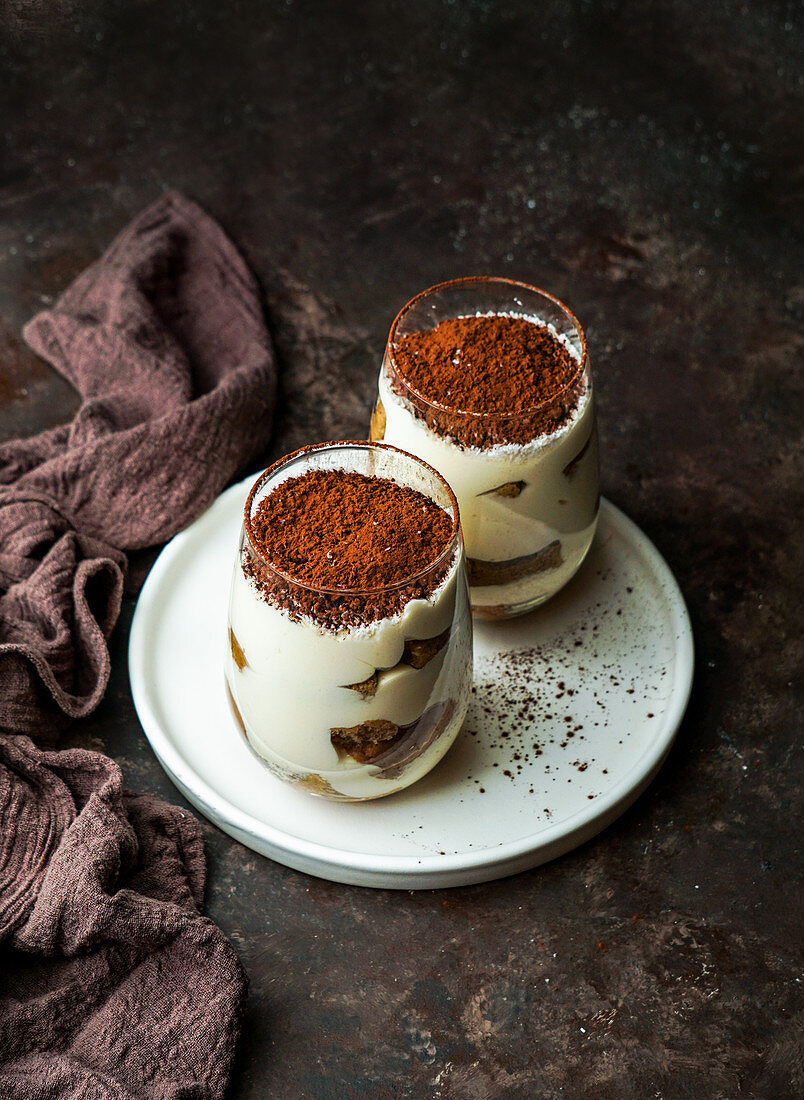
(111, 982)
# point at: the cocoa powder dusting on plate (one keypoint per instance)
(354, 537)
(513, 377)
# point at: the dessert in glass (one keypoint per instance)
(349, 662)
(488, 380)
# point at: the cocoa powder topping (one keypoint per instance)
(345, 531)
(514, 377)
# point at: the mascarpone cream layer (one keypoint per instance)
(558, 500)
(293, 689)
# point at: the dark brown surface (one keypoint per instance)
(639, 161)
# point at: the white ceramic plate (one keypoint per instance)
(575, 707)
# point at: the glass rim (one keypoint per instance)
(467, 280)
(350, 444)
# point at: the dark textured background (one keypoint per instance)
(639, 160)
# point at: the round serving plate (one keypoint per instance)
(574, 708)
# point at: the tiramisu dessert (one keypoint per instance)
(349, 661)
(488, 380)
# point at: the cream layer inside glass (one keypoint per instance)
(293, 682)
(531, 508)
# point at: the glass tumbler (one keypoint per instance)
(350, 710)
(528, 496)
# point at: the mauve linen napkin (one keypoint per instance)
(112, 984)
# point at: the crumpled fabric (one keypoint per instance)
(112, 983)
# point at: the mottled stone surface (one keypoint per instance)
(639, 160)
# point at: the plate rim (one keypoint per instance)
(388, 870)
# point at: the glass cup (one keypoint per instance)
(350, 710)
(528, 496)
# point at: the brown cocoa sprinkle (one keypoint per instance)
(347, 533)
(514, 372)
